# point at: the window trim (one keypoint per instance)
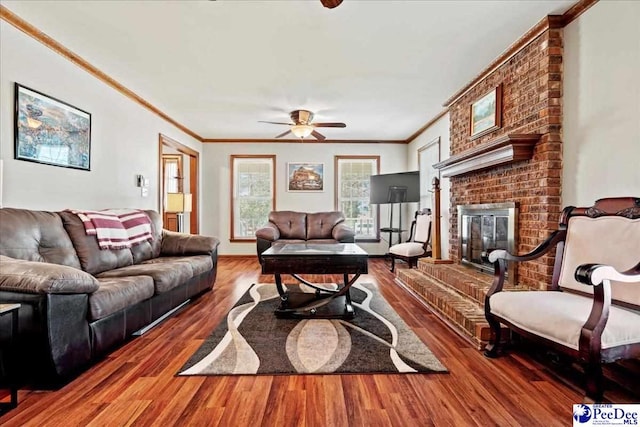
(232, 160)
(336, 189)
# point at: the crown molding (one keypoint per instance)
(576, 10)
(426, 126)
(546, 23)
(305, 141)
(551, 21)
(30, 30)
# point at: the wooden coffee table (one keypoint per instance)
(302, 258)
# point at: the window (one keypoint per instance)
(253, 196)
(352, 194)
(428, 155)
(172, 165)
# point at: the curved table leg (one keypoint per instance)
(283, 294)
(297, 304)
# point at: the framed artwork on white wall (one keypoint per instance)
(51, 131)
(305, 177)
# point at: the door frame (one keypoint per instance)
(194, 173)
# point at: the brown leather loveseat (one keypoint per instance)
(78, 301)
(300, 227)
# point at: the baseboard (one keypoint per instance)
(159, 320)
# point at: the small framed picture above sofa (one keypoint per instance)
(51, 131)
(308, 177)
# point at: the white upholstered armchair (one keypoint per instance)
(419, 243)
(592, 308)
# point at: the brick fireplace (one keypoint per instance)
(530, 176)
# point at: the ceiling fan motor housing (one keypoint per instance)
(301, 117)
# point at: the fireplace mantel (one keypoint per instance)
(505, 149)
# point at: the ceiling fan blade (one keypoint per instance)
(283, 134)
(329, 125)
(318, 135)
(276, 123)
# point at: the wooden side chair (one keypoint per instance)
(419, 243)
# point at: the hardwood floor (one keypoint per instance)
(136, 384)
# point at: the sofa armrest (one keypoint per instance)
(343, 233)
(187, 244)
(36, 277)
(269, 232)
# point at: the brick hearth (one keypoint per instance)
(455, 294)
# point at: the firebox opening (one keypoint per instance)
(483, 228)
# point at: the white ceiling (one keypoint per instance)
(217, 67)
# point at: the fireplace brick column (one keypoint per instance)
(532, 103)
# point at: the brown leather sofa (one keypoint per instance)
(79, 302)
(299, 227)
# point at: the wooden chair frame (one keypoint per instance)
(590, 352)
(412, 261)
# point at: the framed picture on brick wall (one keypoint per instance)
(486, 113)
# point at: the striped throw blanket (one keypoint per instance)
(117, 228)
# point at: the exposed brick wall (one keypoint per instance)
(532, 103)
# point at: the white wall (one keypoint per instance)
(124, 135)
(439, 129)
(601, 143)
(216, 185)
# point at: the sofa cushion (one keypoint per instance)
(149, 249)
(114, 294)
(166, 275)
(199, 263)
(43, 278)
(93, 259)
(320, 224)
(620, 249)
(35, 236)
(292, 225)
(559, 317)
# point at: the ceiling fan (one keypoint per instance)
(331, 3)
(302, 125)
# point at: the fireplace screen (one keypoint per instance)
(485, 228)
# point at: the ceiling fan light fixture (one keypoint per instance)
(302, 131)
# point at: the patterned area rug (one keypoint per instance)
(253, 341)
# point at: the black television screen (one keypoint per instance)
(395, 188)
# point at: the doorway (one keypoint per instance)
(178, 173)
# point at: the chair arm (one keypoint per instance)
(269, 232)
(600, 276)
(500, 257)
(542, 249)
(595, 274)
(35, 277)
(179, 244)
(343, 233)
